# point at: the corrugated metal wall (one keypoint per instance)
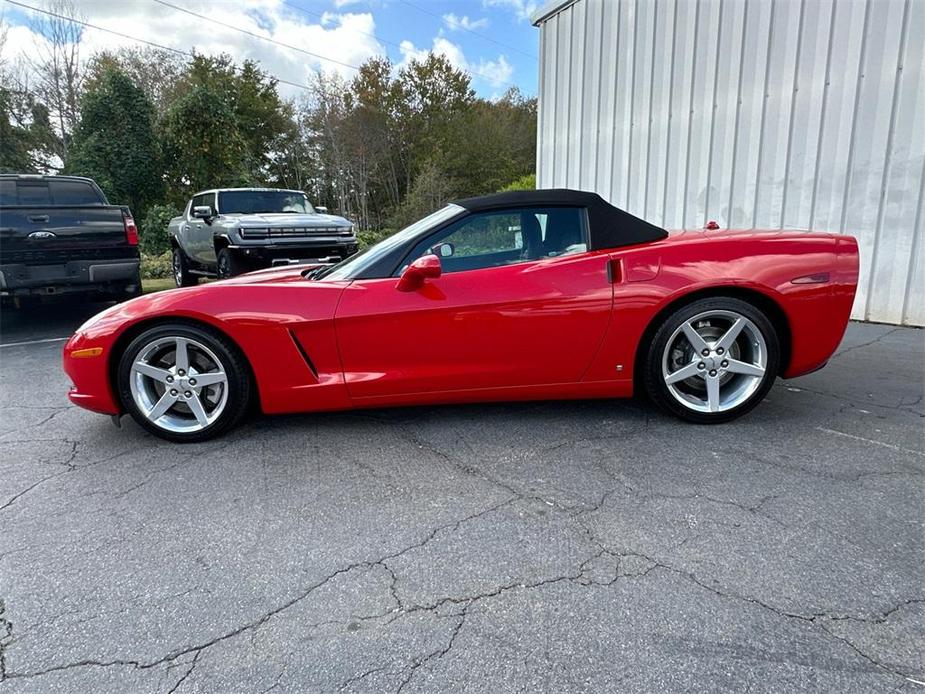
(756, 113)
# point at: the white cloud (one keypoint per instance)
(453, 22)
(494, 72)
(523, 9)
(345, 38)
(344, 3)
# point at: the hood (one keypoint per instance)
(289, 219)
(282, 273)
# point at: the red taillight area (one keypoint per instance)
(131, 231)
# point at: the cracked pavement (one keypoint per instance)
(557, 546)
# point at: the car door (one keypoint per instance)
(520, 302)
(199, 232)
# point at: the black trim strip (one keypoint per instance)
(308, 361)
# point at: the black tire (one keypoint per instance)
(182, 276)
(655, 360)
(230, 360)
(228, 264)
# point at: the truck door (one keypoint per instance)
(200, 244)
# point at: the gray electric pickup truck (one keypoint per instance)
(60, 235)
(227, 231)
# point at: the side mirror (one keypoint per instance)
(444, 250)
(427, 267)
(202, 212)
(321, 209)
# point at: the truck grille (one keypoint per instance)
(293, 232)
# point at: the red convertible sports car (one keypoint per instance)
(528, 295)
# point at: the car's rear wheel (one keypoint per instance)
(184, 383)
(182, 276)
(712, 360)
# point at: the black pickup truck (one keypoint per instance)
(60, 235)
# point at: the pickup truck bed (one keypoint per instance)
(50, 249)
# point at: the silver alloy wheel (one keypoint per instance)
(179, 384)
(715, 361)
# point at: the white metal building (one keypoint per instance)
(755, 113)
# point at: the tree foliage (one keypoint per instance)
(153, 127)
(115, 143)
(153, 230)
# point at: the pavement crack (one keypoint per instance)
(852, 402)
(869, 343)
(362, 676)
(435, 654)
(189, 671)
(70, 468)
(266, 616)
(28, 489)
(6, 635)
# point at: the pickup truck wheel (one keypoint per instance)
(181, 274)
(183, 382)
(228, 264)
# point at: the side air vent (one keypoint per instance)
(308, 361)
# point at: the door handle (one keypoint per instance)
(38, 218)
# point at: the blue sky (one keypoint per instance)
(491, 39)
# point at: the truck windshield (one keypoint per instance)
(258, 201)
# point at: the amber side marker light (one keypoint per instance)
(87, 353)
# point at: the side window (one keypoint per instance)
(34, 194)
(202, 200)
(490, 239)
(73, 193)
(8, 192)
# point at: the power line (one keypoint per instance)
(471, 31)
(257, 36)
(191, 54)
(188, 54)
(477, 73)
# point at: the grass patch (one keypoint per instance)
(157, 285)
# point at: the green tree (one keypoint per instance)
(263, 120)
(155, 70)
(527, 182)
(435, 96)
(202, 144)
(505, 131)
(153, 230)
(431, 190)
(27, 140)
(115, 143)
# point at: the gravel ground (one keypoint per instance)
(557, 546)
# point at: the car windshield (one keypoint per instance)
(356, 264)
(257, 201)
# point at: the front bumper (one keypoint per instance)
(72, 276)
(91, 388)
(285, 254)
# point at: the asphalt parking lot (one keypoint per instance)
(557, 546)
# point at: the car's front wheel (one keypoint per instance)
(183, 382)
(712, 360)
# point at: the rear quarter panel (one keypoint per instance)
(655, 277)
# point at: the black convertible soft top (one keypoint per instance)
(610, 227)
